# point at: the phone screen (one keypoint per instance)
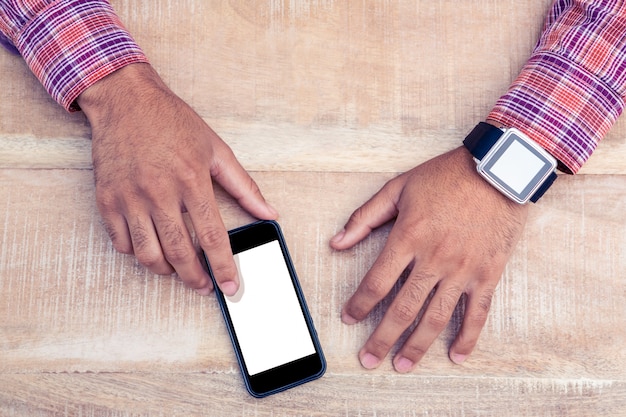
(265, 312)
(268, 320)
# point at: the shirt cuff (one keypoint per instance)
(563, 107)
(70, 45)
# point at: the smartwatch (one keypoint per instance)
(512, 162)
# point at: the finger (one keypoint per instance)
(114, 221)
(431, 324)
(401, 314)
(378, 281)
(117, 229)
(375, 212)
(179, 251)
(477, 308)
(146, 245)
(213, 239)
(229, 173)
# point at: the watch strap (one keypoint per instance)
(481, 139)
(544, 187)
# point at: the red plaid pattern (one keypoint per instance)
(69, 45)
(571, 91)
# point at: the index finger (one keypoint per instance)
(378, 281)
(213, 239)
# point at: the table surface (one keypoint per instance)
(323, 102)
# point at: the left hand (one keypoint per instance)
(454, 233)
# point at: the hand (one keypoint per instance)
(453, 233)
(153, 159)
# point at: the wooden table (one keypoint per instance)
(323, 102)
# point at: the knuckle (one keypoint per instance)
(478, 316)
(211, 237)
(120, 245)
(375, 287)
(440, 311)
(408, 303)
(194, 281)
(417, 288)
(205, 209)
(149, 258)
(171, 233)
(356, 310)
(484, 301)
(224, 270)
(465, 343)
(413, 351)
(379, 347)
(403, 312)
(448, 300)
(436, 320)
(179, 255)
(141, 240)
(147, 254)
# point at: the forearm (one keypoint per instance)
(69, 45)
(570, 92)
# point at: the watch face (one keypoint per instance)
(517, 166)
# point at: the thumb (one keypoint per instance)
(239, 184)
(378, 210)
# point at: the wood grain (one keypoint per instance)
(323, 101)
(74, 314)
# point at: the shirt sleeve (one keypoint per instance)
(571, 91)
(68, 44)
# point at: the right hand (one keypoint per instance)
(155, 158)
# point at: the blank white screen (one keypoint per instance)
(265, 311)
(517, 166)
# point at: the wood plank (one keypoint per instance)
(325, 85)
(77, 317)
(218, 394)
(324, 101)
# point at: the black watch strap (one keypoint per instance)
(544, 187)
(481, 139)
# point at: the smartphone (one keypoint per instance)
(268, 321)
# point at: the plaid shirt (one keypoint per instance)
(566, 97)
(70, 44)
(571, 90)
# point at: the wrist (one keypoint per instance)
(119, 90)
(494, 123)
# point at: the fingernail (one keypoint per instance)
(403, 364)
(458, 358)
(348, 319)
(229, 288)
(369, 361)
(337, 238)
